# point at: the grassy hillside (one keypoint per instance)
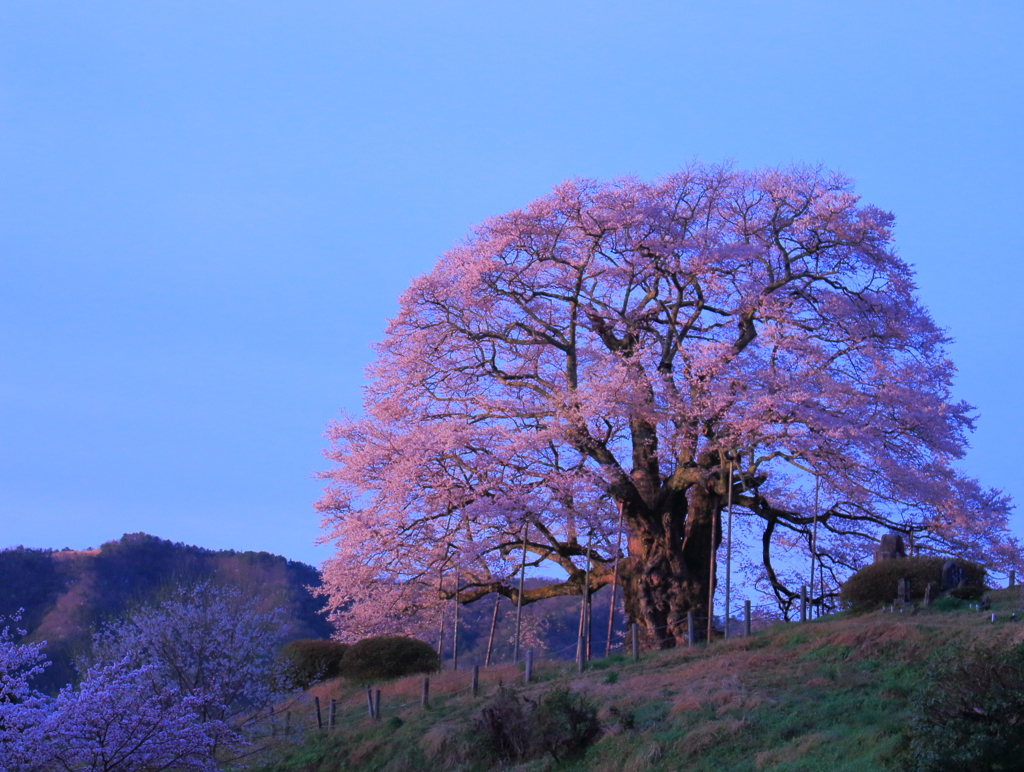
(834, 694)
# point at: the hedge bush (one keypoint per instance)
(876, 584)
(309, 660)
(388, 656)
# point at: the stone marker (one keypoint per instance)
(952, 575)
(931, 592)
(904, 589)
(890, 547)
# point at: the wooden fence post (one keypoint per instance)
(426, 692)
(581, 653)
(803, 603)
(746, 618)
(369, 701)
(319, 720)
(476, 680)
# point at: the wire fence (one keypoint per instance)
(310, 712)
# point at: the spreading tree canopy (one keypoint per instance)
(632, 347)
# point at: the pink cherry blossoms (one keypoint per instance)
(621, 346)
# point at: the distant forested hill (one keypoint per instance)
(67, 594)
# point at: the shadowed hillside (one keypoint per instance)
(67, 594)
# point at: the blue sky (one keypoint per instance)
(208, 209)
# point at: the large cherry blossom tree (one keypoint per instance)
(632, 347)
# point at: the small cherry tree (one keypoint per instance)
(122, 719)
(212, 644)
(632, 347)
(21, 706)
(175, 686)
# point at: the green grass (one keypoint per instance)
(835, 694)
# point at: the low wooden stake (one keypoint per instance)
(426, 692)
(319, 720)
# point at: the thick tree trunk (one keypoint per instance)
(670, 566)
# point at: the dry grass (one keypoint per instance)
(789, 753)
(693, 707)
(707, 734)
(646, 756)
(445, 742)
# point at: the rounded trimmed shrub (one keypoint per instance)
(876, 584)
(309, 660)
(388, 656)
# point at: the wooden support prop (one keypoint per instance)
(455, 635)
(529, 667)
(476, 680)
(519, 599)
(746, 618)
(615, 581)
(494, 623)
(426, 692)
(319, 720)
(635, 636)
(691, 629)
(332, 712)
(581, 653)
(803, 603)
